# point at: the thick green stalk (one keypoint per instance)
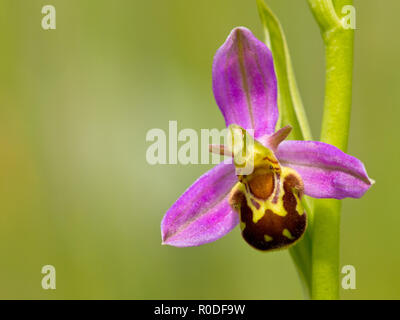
(335, 130)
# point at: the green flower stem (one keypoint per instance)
(335, 130)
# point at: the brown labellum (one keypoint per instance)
(272, 231)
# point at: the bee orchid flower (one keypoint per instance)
(266, 202)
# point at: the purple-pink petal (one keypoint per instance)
(244, 83)
(202, 214)
(327, 172)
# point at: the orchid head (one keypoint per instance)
(263, 187)
(267, 197)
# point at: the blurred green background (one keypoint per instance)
(76, 191)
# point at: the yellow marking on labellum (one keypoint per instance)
(268, 238)
(264, 189)
(287, 234)
(276, 207)
(289, 171)
(299, 207)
